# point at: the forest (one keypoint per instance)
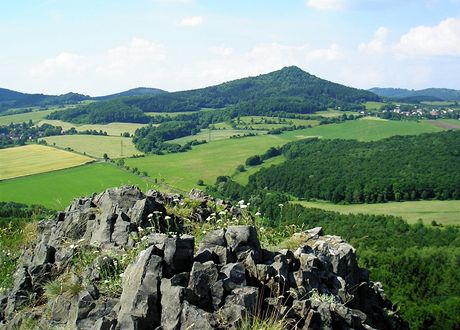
(417, 264)
(394, 169)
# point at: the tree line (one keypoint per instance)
(394, 169)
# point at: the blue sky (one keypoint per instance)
(102, 46)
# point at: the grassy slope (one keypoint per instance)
(114, 129)
(445, 212)
(56, 189)
(95, 145)
(34, 159)
(373, 106)
(25, 117)
(208, 161)
(214, 135)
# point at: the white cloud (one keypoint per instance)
(326, 4)
(378, 42)
(222, 51)
(191, 21)
(63, 62)
(332, 53)
(136, 52)
(441, 39)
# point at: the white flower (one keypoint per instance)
(144, 238)
(167, 217)
(73, 246)
(140, 229)
(204, 231)
(248, 204)
(280, 205)
(106, 282)
(122, 274)
(241, 201)
(258, 214)
(81, 240)
(222, 213)
(150, 215)
(157, 212)
(242, 206)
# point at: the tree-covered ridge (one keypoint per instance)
(12, 99)
(431, 94)
(139, 91)
(102, 113)
(397, 168)
(287, 90)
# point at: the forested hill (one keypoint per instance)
(12, 99)
(397, 168)
(139, 91)
(289, 89)
(429, 94)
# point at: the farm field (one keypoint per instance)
(33, 159)
(331, 113)
(113, 129)
(207, 161)
(95, 145)
(446, 123)
(373, 106)
(267, 123)
(214, 135)
(56, 189)
(443, 212)
(25, 117)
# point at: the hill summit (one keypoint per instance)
(289, 90)
(122, 259)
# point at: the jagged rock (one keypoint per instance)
(172, 298)
(235, 276)
(178, 254)
(202, 277)
(243, 239)
(194, 318)
(139, 302)
(319, 286)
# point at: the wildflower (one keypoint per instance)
(280, 205)
(242, 206)
(122, 274)
(73, 246)
(157, 212)
(258, 214)
(213, 214)
(150, 215)
(241, 202)
(81, 240)
(176, 200)
(167, 217)
(248, 204)
(222, 212)
(204, 232)
(106, 281)
(140, 229)
(144, 238)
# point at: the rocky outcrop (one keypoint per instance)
(118, 266)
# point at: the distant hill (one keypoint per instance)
(139, 91)
(12, 99)
(429, 94)
(287, 90)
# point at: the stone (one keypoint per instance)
(139, 301)
(172, 298)
(243, 239)
(235, 276)
(245, 296)
(202, 277)
(178, 254)
(142, 209)
(194, 318)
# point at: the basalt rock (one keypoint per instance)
(129, 271)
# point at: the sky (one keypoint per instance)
(98, 47)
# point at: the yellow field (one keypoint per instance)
(96, 145)
(34, 159)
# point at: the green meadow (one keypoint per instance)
(114, 129)
(443, 212)
(206, 162)
(215, 135)
(373, 106)
(95, 145)
(56, 189)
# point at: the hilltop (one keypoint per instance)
(289, 89)
(123, 259)
(139, 91)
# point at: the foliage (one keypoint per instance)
(102, 113)
(394, 169)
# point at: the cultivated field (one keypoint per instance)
(207, 161)
(444, 212)
(331, 113)
(25, 117)
(446, 123)
(56, 189)
(95, 145)
(114, 129)
(214, 135)
(33, 159)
